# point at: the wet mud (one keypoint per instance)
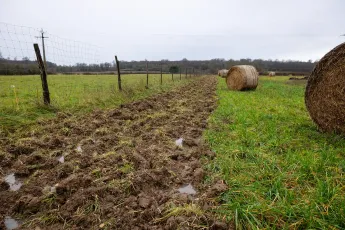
(140, 166)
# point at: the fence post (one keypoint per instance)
(44, 50)
(190, 73)
(46, 97)
(193, 72)
(186, 72)
(147, 75)
(118, 73)
(172, 76)
(161, 73)
(180, 72)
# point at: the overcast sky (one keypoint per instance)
(192, 29)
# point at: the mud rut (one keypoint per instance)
(121, 169)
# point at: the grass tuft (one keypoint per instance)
(186, 209)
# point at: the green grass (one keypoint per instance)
(281, 171)
(72, 93)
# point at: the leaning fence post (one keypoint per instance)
(147, 75)
(46, 97)
(118, 73)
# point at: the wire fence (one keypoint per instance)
(16, 49)
(17, 56)
(74, 69)
(68, 53)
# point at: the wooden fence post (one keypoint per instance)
(147, 75)
(161, 73)
(190, 73)
(118, 73)
(180, 72)
(46, 96)
(193, 72)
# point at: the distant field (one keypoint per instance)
(72, 93)
(281, 171)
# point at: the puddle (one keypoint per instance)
(12, 182)
(79, 150)
(187, 189)
(179, 142)
(61, 159)
(10, 223)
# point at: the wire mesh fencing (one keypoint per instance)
(76, 74)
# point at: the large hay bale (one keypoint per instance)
(325, 92)
(271, 74)
(223, 73)
(242, 77)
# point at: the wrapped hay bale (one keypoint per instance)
(325, 92)
(242, 77)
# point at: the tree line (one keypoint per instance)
(284, 67)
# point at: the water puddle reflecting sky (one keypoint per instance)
(13, 182)
(179, 142)
(11, 223)
(61, 159)
(187, 189)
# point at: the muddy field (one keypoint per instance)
(126, 168)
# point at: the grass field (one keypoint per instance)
(281, 171)
(21, 96)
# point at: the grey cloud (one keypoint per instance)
(203, 29)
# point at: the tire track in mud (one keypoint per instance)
(121, 168)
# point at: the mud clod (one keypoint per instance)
(217, 189)
(198, 174)
(20, 149)
(144, 202)
(27, 204)
(3, 185)
(219, 226)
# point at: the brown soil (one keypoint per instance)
(122, 167)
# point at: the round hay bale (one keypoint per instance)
(271, 74)
(223, 73)
(325, 92)
(242, 77)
